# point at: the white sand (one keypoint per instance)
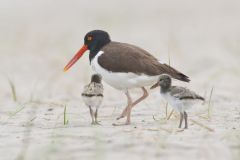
(39, 38)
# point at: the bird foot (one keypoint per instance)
(121, 124)
(120, 117)
(179, 130)
(95, 123)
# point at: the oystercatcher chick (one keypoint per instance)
(123, 66)
(93, 95)
(179, 98)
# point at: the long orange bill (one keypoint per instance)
(76, 57)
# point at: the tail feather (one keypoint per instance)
(200, 97)
(175, 74)
(192, 97)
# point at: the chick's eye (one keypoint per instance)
(89, 38)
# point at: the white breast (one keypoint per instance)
(121, 80)
(93, 102)
(177, 104)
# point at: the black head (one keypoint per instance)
(93, 41)
(164, 82)
(96, 39)
(97, 78)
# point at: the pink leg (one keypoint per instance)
(127, 109)
(145, 95)
(129, 101)
(129, 105)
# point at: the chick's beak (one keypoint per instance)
(155, 85)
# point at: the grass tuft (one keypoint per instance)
(13, 90)
(169, 59)
(65, 120)
(202, 125)
(210, 104)
(17, 111)
(166, 110)
(31, 99)
(170, 115)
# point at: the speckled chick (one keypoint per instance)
(93, 95)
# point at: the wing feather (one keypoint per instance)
(122, 57)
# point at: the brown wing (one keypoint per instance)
(122, 57)
(184, 93)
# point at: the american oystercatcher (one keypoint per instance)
(93, 95)
(179, 98)
(123, 66)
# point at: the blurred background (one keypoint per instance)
(39, 37)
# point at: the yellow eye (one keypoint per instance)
(89, 38)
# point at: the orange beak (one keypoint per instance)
(76, 57)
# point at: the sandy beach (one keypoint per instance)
(201, 39)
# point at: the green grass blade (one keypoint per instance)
(65, 120)
(13, 90)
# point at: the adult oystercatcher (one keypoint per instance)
(123, 66)
(179, 98)
(93, 95)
